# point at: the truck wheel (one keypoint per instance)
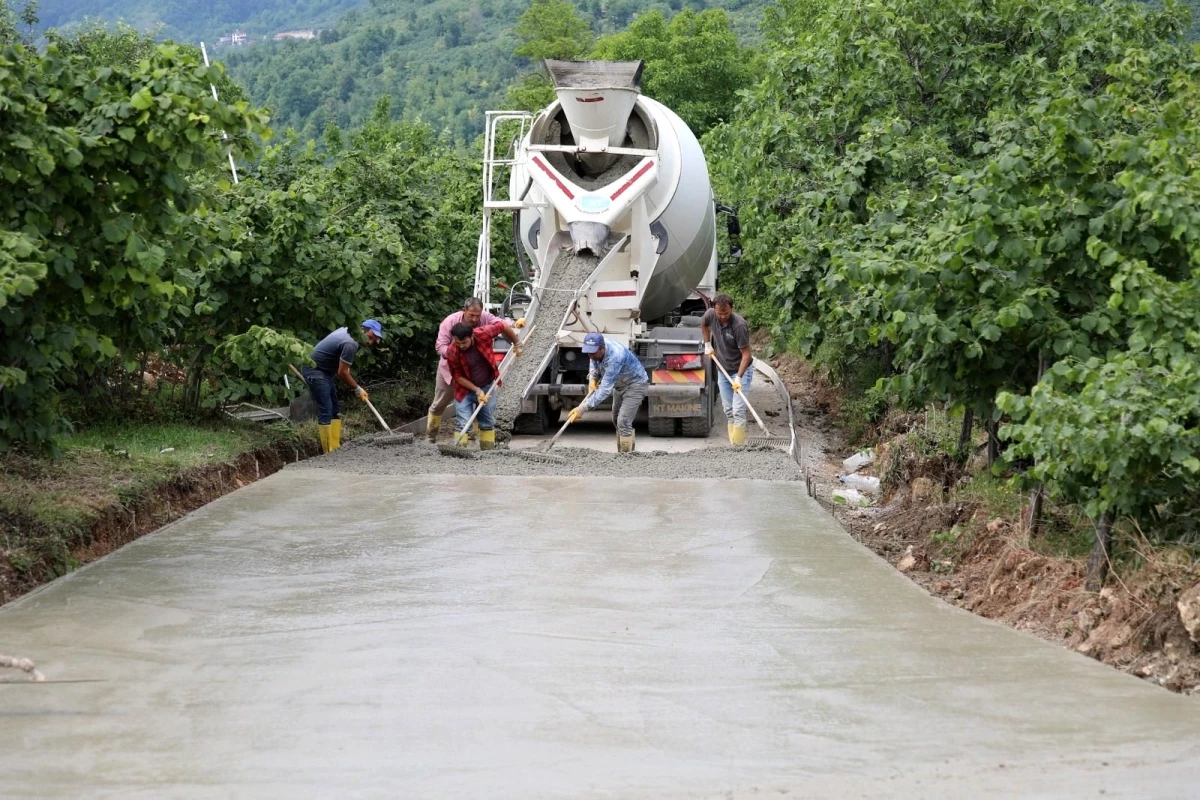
(662, 426)
(696, 427)
(539, 423)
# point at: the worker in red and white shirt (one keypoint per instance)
(474, 376)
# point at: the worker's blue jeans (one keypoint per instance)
(735, 404)
(323, 388)
(463, 409)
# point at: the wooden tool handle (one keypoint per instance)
(745, 399)
(506, 364)
(376, 413)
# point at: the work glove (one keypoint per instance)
(362, 394)
(519, 323)
(481, 396)
(708, 349)
(593, 385)
(516, 349)
(574, 416)
(737, 385)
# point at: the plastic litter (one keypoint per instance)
(859, 460)
(866, 483)
(850, 497)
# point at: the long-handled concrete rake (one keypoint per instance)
(401, 438)
(767, 437)
(458, 449)
(541, 453)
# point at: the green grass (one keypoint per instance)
(169, 444)
(1066, 532)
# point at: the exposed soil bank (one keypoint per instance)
(119, 524)
(374, 455)
(968, 556)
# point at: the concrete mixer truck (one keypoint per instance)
(614, 226)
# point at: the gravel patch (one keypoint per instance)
(566, 276)
(421, 458)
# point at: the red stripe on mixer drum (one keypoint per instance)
(622, 293)
(632, 180)
(554, 177)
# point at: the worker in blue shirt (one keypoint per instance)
(615, 371)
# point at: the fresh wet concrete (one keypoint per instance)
(321, 633)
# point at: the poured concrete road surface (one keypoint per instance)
(320, 634)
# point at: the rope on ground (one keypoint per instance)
(23, 664)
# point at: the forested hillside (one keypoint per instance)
(445, 61)
(196, 20)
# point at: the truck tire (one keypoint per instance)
(541, 422)
(696, 427)
(662, 426)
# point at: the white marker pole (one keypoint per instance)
(224, 135)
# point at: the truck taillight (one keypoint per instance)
(684, 361)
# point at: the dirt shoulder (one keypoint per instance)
(963, 538)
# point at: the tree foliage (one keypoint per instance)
(968, 188)
(694, 62)
(123, 234)
(96, 208)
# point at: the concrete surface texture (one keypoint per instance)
(328, 634)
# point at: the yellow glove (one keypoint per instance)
(708, 349)
(737, 386)
(481, 396)
(516, 350)
(592, 385)
(574, 416)
(519, 323)
(362, 394)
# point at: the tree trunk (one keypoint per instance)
(195, 378)
(993, 442)
(1099, 560)
(888, 369)
(964, 437)
(1036, 499)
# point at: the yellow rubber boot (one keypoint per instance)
(625, 444)
(335, 433)
(433, 426)
(323, 432)
(737, 434)
(729, 431)
(461, 438)
(487, 440)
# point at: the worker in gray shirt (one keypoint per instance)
(333, 356)
(727, 339)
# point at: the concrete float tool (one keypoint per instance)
(767, 437)
(458, 449)
(542, 453)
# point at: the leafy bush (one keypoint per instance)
(97, 209)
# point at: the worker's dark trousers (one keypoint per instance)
(323, 388)
(626, 401)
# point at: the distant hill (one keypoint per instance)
(197, 20)
(446, 61)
